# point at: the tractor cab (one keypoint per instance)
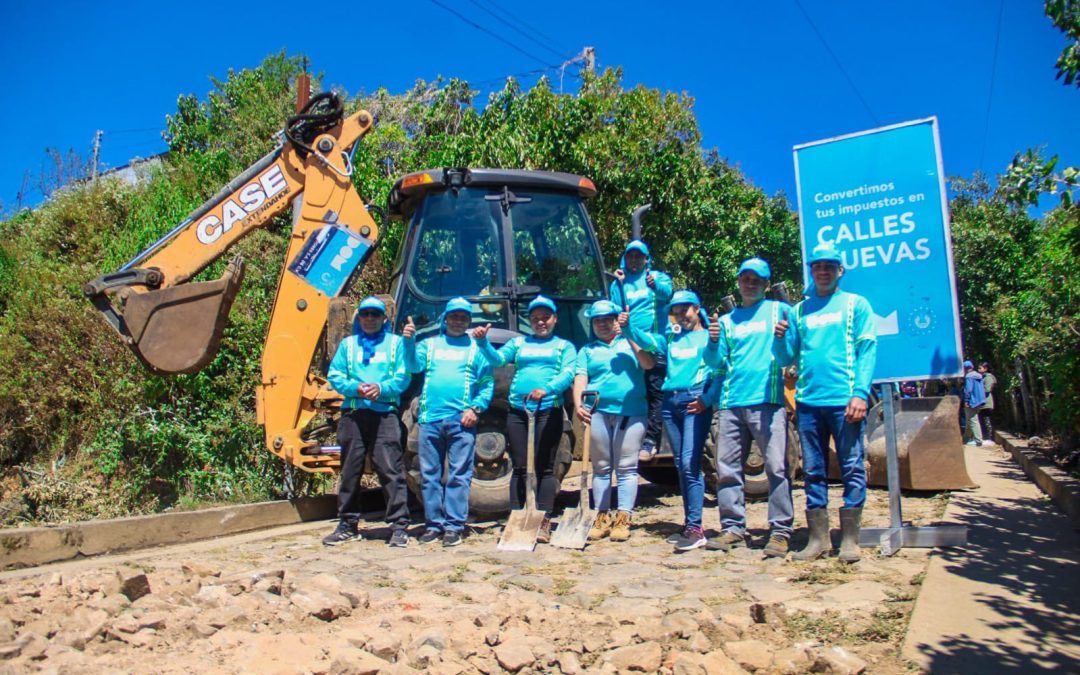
(498, 237)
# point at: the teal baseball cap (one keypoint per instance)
(459, 305)
(372, 303)
(825, 253)
(602, 308)
(684, 297)
(757, 266)
(542, 301)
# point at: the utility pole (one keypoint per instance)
(587, 56)
(590, 58)
(95, 155)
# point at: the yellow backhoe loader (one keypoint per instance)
(175, 325)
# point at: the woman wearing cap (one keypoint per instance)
(544, 368)
(685, 424)
(368, 369)
(457, 388)
(614, 365)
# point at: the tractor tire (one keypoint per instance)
(755, 480)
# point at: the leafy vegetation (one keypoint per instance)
(86, 431)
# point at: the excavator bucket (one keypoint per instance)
(178, 329)
(929, 445)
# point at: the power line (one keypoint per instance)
(990, 95)
(485, 30)
(516, 29)
(549, 40)
(836, 60)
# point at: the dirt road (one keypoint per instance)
(280, 602)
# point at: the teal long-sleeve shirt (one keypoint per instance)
(646, 303)
(539, 364)
(456, 376)
(744, 352)
(833, 340)
(686, 367)
(386, 368)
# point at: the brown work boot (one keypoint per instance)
(602, 527)
(620, 529)
(777, 547)
(725, 542)
(543, 536)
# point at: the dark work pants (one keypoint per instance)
(549, 430)
(654, 380)
(361, 431)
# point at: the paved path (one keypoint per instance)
(1010, 600)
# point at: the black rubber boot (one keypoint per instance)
(850, 521)
(818, 522)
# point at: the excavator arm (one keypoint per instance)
(175, 325)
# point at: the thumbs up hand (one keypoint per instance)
(480, 332)
(714, 327)
(781, 326)
(409, 330)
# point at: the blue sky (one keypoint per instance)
(765, 76)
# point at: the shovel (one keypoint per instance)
(524, 524)
(573, 530)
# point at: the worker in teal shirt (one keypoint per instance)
(832, 338)
(458, 385)
(368, 369)
(645, 293)
(750, 407)
(685, 426)
(614, 366)
(544, 368)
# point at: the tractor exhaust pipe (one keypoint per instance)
(635, 220)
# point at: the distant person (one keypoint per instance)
(831, 336)
(614, 366)
(974, 396)
(647, 293)
(457, 388)
(544, 369)
(368, 369)
(750, 400)
(987, 411)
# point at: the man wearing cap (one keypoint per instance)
(645, 293)
(686, 426)
(832, 338)
(457, 388)
(750, 400)
(614, 366)
(368, 369)
(543, 370)
(974, 398)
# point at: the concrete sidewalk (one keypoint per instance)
(1010, 600)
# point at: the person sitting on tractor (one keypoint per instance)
(645, 292)
(368, 369)
(544, 369)
(750, 399)
(613, 365)
(458, 386)
(833, 338)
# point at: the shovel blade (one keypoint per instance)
(573, 530)
(521, 529)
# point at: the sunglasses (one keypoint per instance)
(370, 314)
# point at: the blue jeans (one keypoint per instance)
(687, 435)
(816, 425)
(446, 505)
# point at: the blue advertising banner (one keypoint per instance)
(879, 197)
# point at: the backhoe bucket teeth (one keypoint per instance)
(928, 441)
(178, 329)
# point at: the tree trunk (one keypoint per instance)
(1025, 395)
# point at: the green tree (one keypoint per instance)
(1066, 16)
